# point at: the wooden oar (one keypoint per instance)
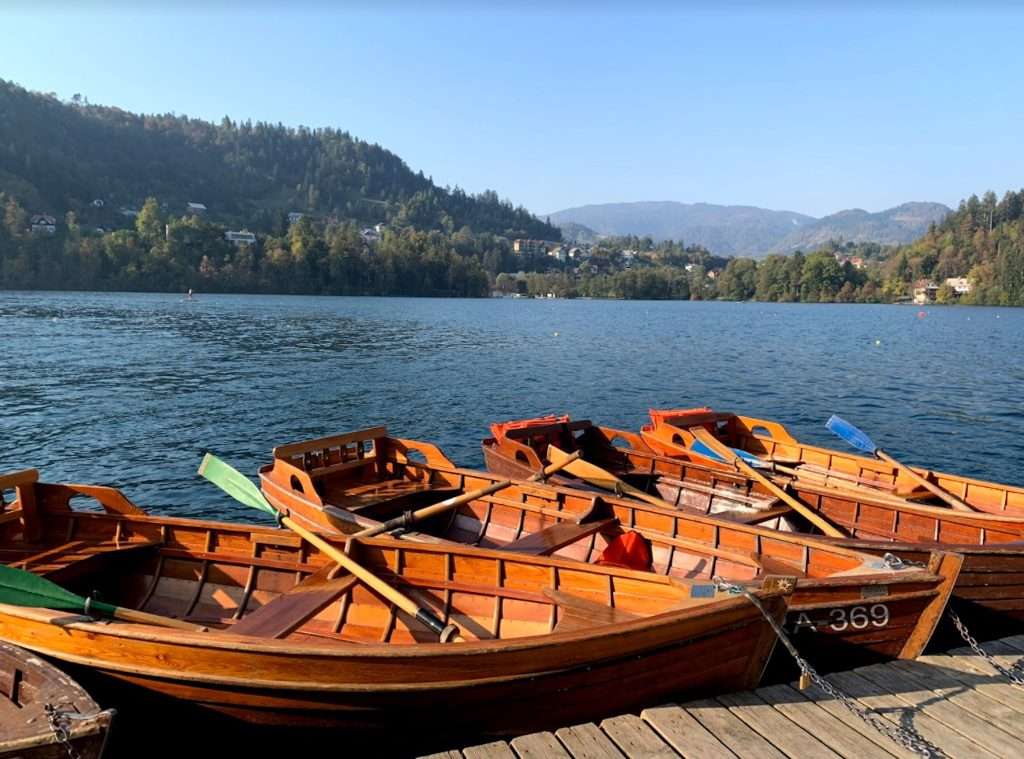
(453, 503)
(859, 440)
(21, 588)
(602, 478)
(716, 445)
(236, 484)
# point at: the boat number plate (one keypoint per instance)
(839, 620)
(874, 591)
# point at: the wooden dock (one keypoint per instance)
(955, 701)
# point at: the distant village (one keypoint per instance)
(568, 257)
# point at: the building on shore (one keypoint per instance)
(960, 285)
(43, 224)
(525, 247)
(925, 291)
(240, 238)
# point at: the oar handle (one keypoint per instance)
(444, 632)
(932, 488)
(144, 618)
(411, 517)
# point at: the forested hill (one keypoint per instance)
(57, 157)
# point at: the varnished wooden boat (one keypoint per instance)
(292, 642)
(349, 482)
(989, 592)
(44, 714)
(771, 441)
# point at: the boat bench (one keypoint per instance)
(575, 612)
(291, 609)
(556, 536)
(60, 562)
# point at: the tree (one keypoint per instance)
(150, 223)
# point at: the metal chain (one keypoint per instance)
(59, 723)
(906, 737)
(1013, 674)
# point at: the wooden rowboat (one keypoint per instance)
(770, 440)
(349, 482)
(44, 714)
(989, 592)
(290, 640)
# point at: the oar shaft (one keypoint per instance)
(453, 503)
(934, 489)
(144, 618)
(723, 450)
(403, 602)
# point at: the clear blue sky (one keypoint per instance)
(784, 106)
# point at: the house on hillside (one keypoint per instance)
(295, 217)
(240, 238)
(369, 234)
(43, 224)
(524, 247)
(925, 291)
(196, 209)
(960, 285)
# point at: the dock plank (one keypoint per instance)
(978, 675)
(897, 711)
(444, 755)
(785, 735)
(636, 739)
(980, 731)
(842, 739)
(955, 692)
(495, 750)
(587, 742)
(686, 735)
(741, 739)
(836, 709)
(539, 746)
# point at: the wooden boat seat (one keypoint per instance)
(78, 555)
(556, 536)
(575, 612)
(389, 493)
(291, 609)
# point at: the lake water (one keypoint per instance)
(132, 389)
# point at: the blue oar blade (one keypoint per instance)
(234, 483)
(701, 449)
(855, 437)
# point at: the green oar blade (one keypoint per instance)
(21, 588)
(234, 483)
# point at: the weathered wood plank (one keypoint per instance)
(444, 755)
(636, 739)
(539, 746)
(732, 731)
(495, 750)
(836, 709)
(785, 735)
(974, 673)
(587, 742)
(891, 707)
(841, 738)
(685, 734)
(935, 679)
(980, 731)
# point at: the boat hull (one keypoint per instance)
(492, 691)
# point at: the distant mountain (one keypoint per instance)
(751, 231)
(578, 232)
(902, 224)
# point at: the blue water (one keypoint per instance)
(132, 389)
